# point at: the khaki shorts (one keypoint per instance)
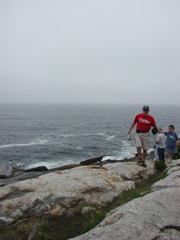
(142, 140)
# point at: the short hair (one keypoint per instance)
(160, 129)
(171, 126)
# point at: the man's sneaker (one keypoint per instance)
(143, 164)
(139, 162)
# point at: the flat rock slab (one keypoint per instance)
(22, 177)
(23, 174)
(173, 178)
(57, 192)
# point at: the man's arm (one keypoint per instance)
(131, 127)
(161, 131)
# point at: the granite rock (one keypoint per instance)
(172, 180)
(56, 192)
(5, 170)
(154, 216)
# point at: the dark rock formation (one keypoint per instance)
(92, 160)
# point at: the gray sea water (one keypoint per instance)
(59, 134)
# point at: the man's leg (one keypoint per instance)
(145, 146)
(139, 152)
(138, 147)
(144, 155)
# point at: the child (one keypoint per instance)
(171, 142)
(161, 143)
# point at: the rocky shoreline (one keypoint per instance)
(65, 190)
(65, 187)
(11, 174)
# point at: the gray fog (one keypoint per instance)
(90, 51)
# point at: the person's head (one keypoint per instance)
(160, 130)
(171, 128)
(145, 110)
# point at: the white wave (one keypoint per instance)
(78, 148)
(81, 134)
(128, 150)
(75, 147)
(49, 165)
(67, 135)
(36, 142)
(20, 164)
(150, 150)
(110, 158)
(110, 137)
(99, 134)
(92, 134)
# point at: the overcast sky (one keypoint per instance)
(90, 51)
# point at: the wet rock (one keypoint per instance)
(92, 160)
(39, 168)
(5, 170)
(69, 166)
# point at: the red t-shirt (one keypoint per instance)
(144, 123)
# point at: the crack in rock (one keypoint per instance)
(16, 193)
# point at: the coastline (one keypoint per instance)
(83, 191)
(20, 174)
(73, 190)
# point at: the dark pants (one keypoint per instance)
(161, 153)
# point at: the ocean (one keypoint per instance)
(54, 135)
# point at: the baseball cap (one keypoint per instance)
(146, 108)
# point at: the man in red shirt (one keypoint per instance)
(144, 123)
